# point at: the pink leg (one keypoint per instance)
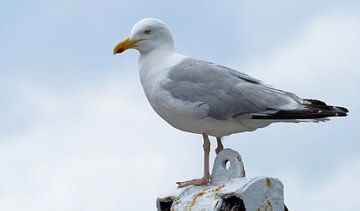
(205, 180)
(219, 146)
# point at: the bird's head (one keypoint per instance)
(146, 35)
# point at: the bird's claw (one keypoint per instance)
(196, 182)
(218, 150)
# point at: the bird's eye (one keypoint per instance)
(147, 31)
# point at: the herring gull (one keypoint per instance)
(209, 99)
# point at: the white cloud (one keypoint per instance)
(325, 53)
(97, 148)
(339, 192)
(321, 62)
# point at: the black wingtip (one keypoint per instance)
(343, 109)
(318, 104)
(316, 110)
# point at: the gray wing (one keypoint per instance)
(227, 92)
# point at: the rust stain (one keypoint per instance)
(175, 202)
(268, 184)
(258, 209)
(168, 199)
(268, 206)
(201, 193)
(195, 198)
(218, 188)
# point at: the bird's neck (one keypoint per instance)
(156, 56)
(154, 64)
(159, 51)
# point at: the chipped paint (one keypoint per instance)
(238, 157)
(268, 206)
(168, 199)
(243, 173)
(217, 202)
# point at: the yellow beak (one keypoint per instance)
(124, 45)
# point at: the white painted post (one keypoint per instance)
(229, 190)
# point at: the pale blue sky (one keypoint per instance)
(76, 131)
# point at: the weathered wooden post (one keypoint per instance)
(229, 190)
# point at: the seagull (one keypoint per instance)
(209, 99)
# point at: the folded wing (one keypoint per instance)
(227, 94)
